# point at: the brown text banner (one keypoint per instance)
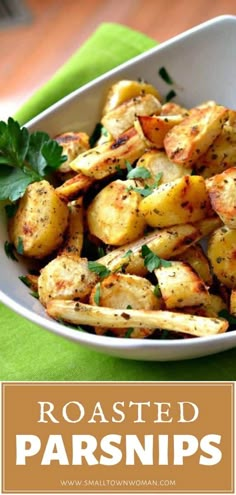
(117, 437)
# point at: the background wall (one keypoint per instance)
(32, 50)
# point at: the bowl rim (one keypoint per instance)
(100, 341)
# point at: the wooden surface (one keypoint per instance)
(31, 53)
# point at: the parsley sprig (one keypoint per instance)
(101, 270)
(139, 173)
(25, 158)
(165, 75)
(147, 190)
(151, 260)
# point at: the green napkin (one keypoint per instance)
(110, 46)
(28, 352)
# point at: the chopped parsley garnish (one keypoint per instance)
(101, 270)
(25, 280)
(95, 134)
(20, 246)
(98, 131)
(97, 294)
(104, 132)
(128, 333)
(11, 210)
(139, 173)
(147, 190)
(143, 191)
(170, 95)
(101, 251)
(223, 313)
(34, 294)
(25, 158)
(9, 250)
(128, 254)
(151, 260)
(165, 75)
(128, 166)
(164, 334)
(157, 291)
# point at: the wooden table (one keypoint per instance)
(32, 52)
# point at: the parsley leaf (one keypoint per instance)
(104, 132)
(157, 291)
(101, 270)
(147, 190)
(139, 173)
(128, 333)
(20, 246)
(170, 95)
(13, 143)
(165, 75)
(11, 210)
(25, 158)
(128, 254)
(223, 313)
(101, 251)
(164, 334)
(151, 260)
(34, 294)
(25, 280)
(13, 182)
(9, 250)
(128, 166)
(97, 294)
(143, 191)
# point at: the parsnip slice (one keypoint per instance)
(83, 314)
(103, 160)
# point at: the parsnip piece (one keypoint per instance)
(103, 160)
(113, 215)
(197, 259)
(75, 231)
(84, 314)
(40, 221)
(186, 142)
(216, 304)
(164, 243)
(73, 144)
(75, 186)
(221, 253)
(153, 129)
(157, 162)
(220, 155)
(210, 310)
(125, 90)
(122, 117)
(171, 108)
(66, 277)
(222, 191)
(177, 202)
(120, 290)
(181, 286)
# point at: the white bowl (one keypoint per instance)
(202, 63)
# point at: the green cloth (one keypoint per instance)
(28, 352)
